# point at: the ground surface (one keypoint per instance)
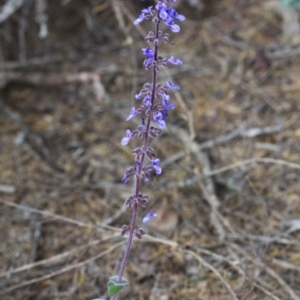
(228, 201)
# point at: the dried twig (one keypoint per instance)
(240, 132)
(267, 160)
(214, 270)
(176, 247)
(268, 239)
(32, 137)
(7, 189)
(61, 271)
(267, 269)
(284, 264)
(47, 214)
(207, 185)
(268, 293)
(226, 39)
(41, 17)
(59, 79)
(57, 259)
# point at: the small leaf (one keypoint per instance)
(114, 287)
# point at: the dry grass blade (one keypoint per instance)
(214, 270)
(269, 271)
(268, 293)
(47, 214)
(266, 160)
(61, 271)
(285, 265)
(176, 247)
(58, 258)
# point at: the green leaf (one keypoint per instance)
(114, 287)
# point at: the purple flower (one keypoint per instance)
(169, 22)
(148, 52)
(172, 86)
(173, 14)
(155, 164)
(150, 215)
(147, 101)
(163, 14)
(127, 174)
(168, 14)
(168, 105)
(139, 95)
(164, 113)
(161, 6)
(174, 61)
(133, 113)
(159, 118)
(165, 96)
(148, 63)
(125, 179)
(175, 28)
(126, 138)
(143, 16)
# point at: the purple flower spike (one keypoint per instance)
(133, 113)
(174, 61)
(150, 215)
(153, 109)
(155, 164)
(172, 86)
(126, 138)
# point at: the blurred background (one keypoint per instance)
(228, 201)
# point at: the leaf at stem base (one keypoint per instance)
(114, 287)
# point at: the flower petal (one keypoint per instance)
(180, 17)
(155, 164)
(172, 86)
(126, 138)
(175, 28)
(174, 61)
(150, 215)
(133, 113)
